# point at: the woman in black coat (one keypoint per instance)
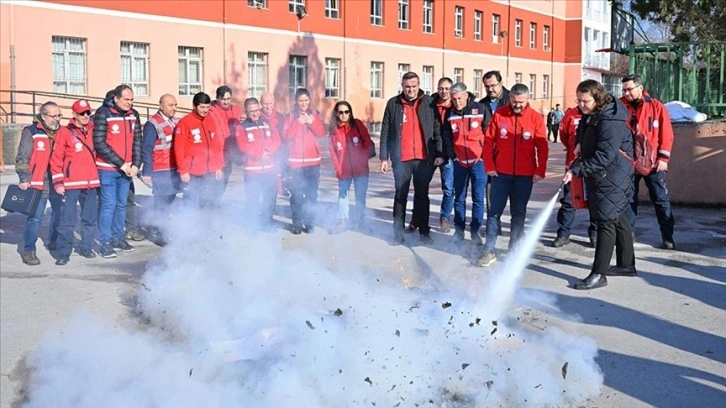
(603, 140)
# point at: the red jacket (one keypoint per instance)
(197, 146)
(255, 139)
(302, 140)
(276, 120)
(516, 144)
(467, 133)
(33, 156)
(223, 116)
(655, 123)
(73, 161)
(350, 148)
(116, 135)
(162, 156)
(568, 131)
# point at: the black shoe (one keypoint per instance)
(308, 229)
(87, 254)
(593, 281)
(560, 241)
(458, 235)
(476, 239)
(106, 251)
(30, 259)
(62, 261)
(122, 245)
(426, 239)
(295, 230)
(621, 271)
(411, 228)
(52, 246)
(669, 244)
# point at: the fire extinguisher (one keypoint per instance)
(578, 190)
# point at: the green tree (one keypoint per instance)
(688, 20)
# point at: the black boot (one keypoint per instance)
(593, 281)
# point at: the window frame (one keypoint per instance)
(404, 14)
(131, 81)
(293, 71)
(332, 65)
(427, 79)
(478, 26)
(332, 9)
(496, 23)
(253, 64)
(459, 13)
(546, 38)
(376, 79)
(189, 85)
(428, 16)
(66, 81)
(294, 4)
(532, 36)
(377, 7)
(517, 33)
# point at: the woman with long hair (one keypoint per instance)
(350, 149)
(602, 143)
(301, 133)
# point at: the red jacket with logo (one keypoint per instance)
(302, 140)
(465, 132)
(568, 131)
(117, 138)
(655, 123)
(197, 146)
(33, 156)
(254, 139)
(73, 161)
(222, 117)
(516, 145)
(350, 148)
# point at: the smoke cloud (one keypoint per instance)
(236, 319)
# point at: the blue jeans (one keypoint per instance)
(447, 189)
(361, 188)
(478, 178)
(658, 192)
(112, 205)
(32, 224)
(89, 217)
(517, 190)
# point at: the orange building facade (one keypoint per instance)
(339, 49)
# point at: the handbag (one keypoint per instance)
(21, 201)
(372, 152)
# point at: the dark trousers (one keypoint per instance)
(421, 172)
(32, 224)
(203, 191)
(303, 185)
(658, 192)
(132, 222)
(162, 202)
(88, 198)
(566, 215)
(555, 131)
(613, 234)
(261, 196)
(516, 189)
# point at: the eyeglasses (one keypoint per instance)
(631, 88)
(492, 86)
(343, 112)
(54, 117)
(86, 113)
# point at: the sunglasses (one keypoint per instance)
(343, 112)
(86, 113)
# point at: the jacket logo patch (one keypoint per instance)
(339, 146)
(115, 128)
(475, 111)
(250, 137)
(267, 133)
(454, 127)
(41, 145)
(474, 125)
(405, 118)
(527, 135)
(197, 136)
(355, 139)
(656, 124)
(78, 146)
(503, 133)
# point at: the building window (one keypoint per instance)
(402, 69)
(459, 22)
(332, 8)
(332, 77)
(190, 70)
(495, 28)
(428, 16)
(533, 36)
(546, 38)
(477, 25)
(532, 86)
(518, 33)
(377, 12)
(260, 4)
(428, 79)
(545, 86)
(376, 79)
(294, 4)
(458, 75)
(69, 65)
(517, 77)
(298, 73)
(403, 14)
(477, 81)
(257, 73)
(135, 67)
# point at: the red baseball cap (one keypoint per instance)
(81, 106)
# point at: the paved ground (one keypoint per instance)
(661, 336)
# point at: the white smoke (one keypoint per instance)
(239, 320)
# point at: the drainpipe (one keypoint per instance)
(13, 86)
(509, 36)
(224, 41)
(443, 47)
(552, 60)
(344, 81)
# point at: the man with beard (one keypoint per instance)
(32, 166)
(226, 115)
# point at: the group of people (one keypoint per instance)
(497, 145)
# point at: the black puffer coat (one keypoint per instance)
(608, 174)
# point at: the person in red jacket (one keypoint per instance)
(32, 166)
(301, 133)
(75, 177)
(649, 116)
(277, 120)
(566, 213)
(226, 115)
(258, 141)
(199, 156)
(515, 155)
(350, 149)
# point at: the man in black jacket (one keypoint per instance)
(411, 140)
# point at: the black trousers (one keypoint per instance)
(421, 172)
(614, 234)
(303, 184)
